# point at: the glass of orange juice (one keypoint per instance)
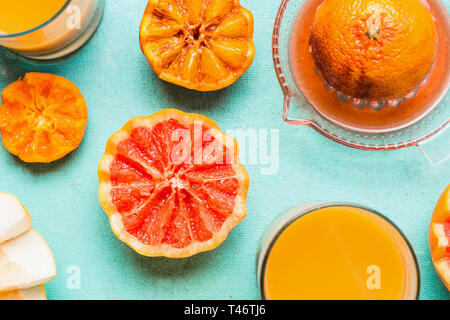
(48, 29)
(336, 251)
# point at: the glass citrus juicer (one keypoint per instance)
(420, 118)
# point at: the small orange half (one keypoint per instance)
(203, 45)
(42, 117)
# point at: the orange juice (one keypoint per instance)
(338, 252)
(48, 29)
(23, 15)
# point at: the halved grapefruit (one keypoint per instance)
(440, 237)
(172, 184)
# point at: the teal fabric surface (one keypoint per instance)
(118, 84)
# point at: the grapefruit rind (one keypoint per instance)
(14, 217)
(195, 58)
(26, 261)
(116, 222)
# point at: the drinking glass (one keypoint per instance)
(68, 30)
(411, 290)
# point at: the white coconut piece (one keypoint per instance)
(36, 293)
(25, 262)
(14, 218)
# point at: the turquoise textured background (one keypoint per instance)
(118, 84)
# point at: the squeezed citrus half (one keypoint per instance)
(374, 49)
(36, 293)
(203, 45)
(42, 117)
(172, 184)
(440, 237)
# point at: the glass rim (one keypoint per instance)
(23, 33)
(301, 211)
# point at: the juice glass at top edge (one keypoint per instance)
(64, 33)
(409, 270)
(301, 106)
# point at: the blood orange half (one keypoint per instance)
(172, 184)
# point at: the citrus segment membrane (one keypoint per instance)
(203, 45)
(172, 184)
(42, 117)
(442, 233)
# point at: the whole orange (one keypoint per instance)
(374, 49)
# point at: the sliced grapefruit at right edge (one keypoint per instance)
(440, 237)
(172, 184)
